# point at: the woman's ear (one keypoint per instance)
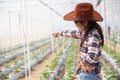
(85, 23)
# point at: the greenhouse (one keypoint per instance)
(29, 49)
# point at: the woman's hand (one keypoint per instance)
(56, 34)
(85, 67)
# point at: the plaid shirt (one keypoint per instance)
(91, 48)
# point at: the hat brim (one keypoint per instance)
(71, 17)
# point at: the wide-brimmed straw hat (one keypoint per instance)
(83, 12)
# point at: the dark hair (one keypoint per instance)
(90, 26)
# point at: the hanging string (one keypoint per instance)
(23, 40)
(113, 16)
(52, 44)
(106, 26)
(24, 47)
(37, 25)
(41, 30)
(37, 30)
(19, 25)
(32, 34)
(10, 35)
(105, 16)
(52, 30)
(118, 37)
(27, 41)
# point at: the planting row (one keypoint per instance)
(13, 56)
(113, 60)
(113, 55)
(63, 61)
(20, 65)
(109, 73)
(33, 63)
(53, 64)
(9, 51)
(70, 66)
(60, 63)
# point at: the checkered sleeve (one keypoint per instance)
(92, 54)
(77, 34)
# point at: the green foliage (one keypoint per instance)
(114, 54)
(16, 68)
(4, 76)
(6, 66)
(109, 72)
(53, 64)
(70, 67)
(45, 74)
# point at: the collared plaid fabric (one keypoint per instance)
(91, 48)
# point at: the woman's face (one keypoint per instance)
(81, 25)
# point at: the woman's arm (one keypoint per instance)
(77, 34)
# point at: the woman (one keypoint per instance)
(91, 37)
